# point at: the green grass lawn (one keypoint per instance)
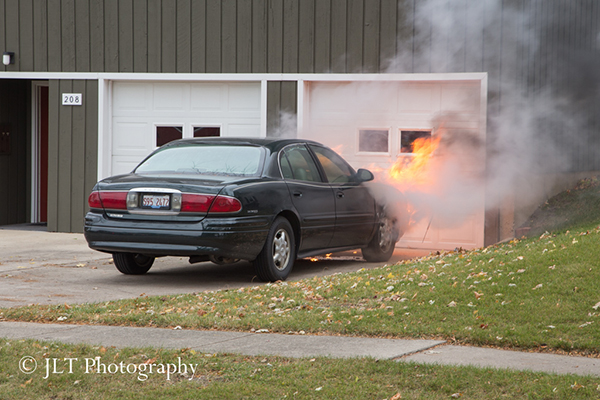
(538, 293)
(221, 376)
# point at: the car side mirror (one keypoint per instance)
(364, 175)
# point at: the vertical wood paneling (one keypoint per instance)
(198, 39)
(82, 35)
(26, 35)
(40, 35)
(474, 39)
(91, 137)
(306, 36)
(96, 36)
(65, 165)
(228, 35)
(54, 36)
(259, 35)
(388, 34)
(421, 42)
(154, 35)
(140, 36)
(323, 36)
(169, 37)
(290, 36)
(53, 154)
(244, 37)
(338, 35)
(11, 31)
(111, 35)
(371, 45)
(404, 61)
(275, 36)
(355, 32)
(125, 35)
(184, 35)
(213, 36)
(68, 35)
(78, 132)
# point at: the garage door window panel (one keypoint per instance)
(207, 131)
(374, 141)
(166, 134)
(409, 138)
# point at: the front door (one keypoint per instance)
(354, 205)
(312, 197)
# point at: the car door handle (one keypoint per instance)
(340, 194)
(297, 194)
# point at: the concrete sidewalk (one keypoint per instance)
(271, 344)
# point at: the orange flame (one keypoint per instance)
(414, 170)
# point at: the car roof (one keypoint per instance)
(272, 143)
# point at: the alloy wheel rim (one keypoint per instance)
(281, 249)
(385, 234)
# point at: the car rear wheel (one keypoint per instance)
(132, 264)
(381, 247)
(275, 261)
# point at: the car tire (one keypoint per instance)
(383, 243)
(276, 259)
(132, 264)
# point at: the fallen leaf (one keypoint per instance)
(397, 396)
(537, 287)
(595, 307)
(452, 304)
(478, 295)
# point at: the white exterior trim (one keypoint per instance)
(458, 76)
(35, 150)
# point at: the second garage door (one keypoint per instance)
(146, 115)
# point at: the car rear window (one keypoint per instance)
(205, 160)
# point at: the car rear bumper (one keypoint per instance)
(241, 237)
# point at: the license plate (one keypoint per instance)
(156, 202)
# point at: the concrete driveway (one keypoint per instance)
(39, 267)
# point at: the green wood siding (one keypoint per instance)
(72, 154)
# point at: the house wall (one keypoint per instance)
(287, 36)
(72, 153)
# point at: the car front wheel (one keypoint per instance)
(381, 247)
(132, 264)
(275, 261)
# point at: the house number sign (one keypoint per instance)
(71, 99)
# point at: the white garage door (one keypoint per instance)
(146, 114)
(371, 124)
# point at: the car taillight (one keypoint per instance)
(203, 203)
(196, 202)
(108, 199)
(94, 200)
(225, 204)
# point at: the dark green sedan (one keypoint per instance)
(269, 201)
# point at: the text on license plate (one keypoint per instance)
(159, 202)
